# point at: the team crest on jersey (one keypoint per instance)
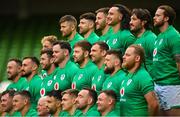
(122, 92)
(73, 85)
(49, 83)
(54, 77)
(27, 88)
(80, 76)
(129, 82)
(99, 78)
(92, 78)
(109, 84)
(140, 44)
(114, 41)
(155, 52)
(94, 87)
(56, 86)
(62, 77)
(160, 42)
(42, 92)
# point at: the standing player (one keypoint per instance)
(141, 25)
(68, 25)
(87, 69)
(66, 69)
(47, 64)
(98, 53)
(14, 73)
(137, 89)
(118, 18)
(86, 27)
(101, 24)
(47, 41)
(113, 61)
(30, 67)
(166, 61)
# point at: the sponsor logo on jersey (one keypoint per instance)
(122, 91)
(73, 85)
(155, 52)
(62, 77)
(56, 86)
(42, 92)
(94, 87)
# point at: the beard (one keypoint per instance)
(159, 24)
(26, 74)
(12, 77)
(109, 70)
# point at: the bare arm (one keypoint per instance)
(177, 58)
(152, 101)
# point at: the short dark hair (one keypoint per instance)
(126, 15)
(169, 12)
(11, 92)
(110, 93)
(116, 53)
(18, 61)
(68, 18)
(71, 92)
(143, 15)
(102, 45)
(49, 52)
(63, 45)
(33, 59)
(56, 94)
(24, 93)
(92, 94)
(103, 10)
(85, 45)
(89, 16)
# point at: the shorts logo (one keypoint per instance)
(109, 84)
(56, 86)
(80, 76)
(155, 52)
(49, 83)
(42, 92)
(62, 77)
(129, 82)
(99, 78)
(122, 92)
(73, 86)
(114, 41)
(94, 87)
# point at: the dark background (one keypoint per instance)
(24, 22)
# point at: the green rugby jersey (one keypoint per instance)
(98, 79)
(21, 84)
(84, 76)
(93, 38)
(133, 89)
(92, 111)
(31, 113)
(147, 40)
(64, 76)
(167, 45)
(121, 40)
(107, 35)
